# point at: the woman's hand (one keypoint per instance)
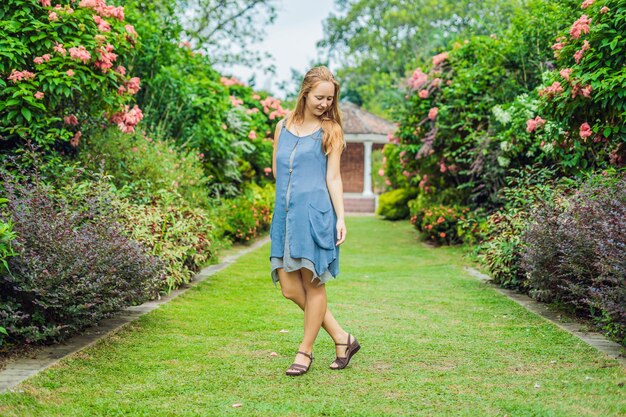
(341, 231)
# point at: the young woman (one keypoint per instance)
(308, 221)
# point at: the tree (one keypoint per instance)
(376, 43)
(224, 29)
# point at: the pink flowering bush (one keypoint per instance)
(64, 61)
(472, 114)
(588, 100)
(438, 223)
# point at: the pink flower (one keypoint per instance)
(436, 82)
(52, 16)
(579, 54)
(558, 46)
(127, 119)
(586, 4)
(387, 181)
(438, 59)
(20, 75)
(59, 48)
(540, 121)
(586, 91)
(565, 73)
(604, 9)
(120, 70)
(580, 26)
(70, 120)
(103, 25)
(267, 170)
(551, 91)
(256, 97)
(106, 58)
(45, 3)
(423, 94)
(406, 173)
(432, 113)
(381, 172)
(132, 85)
(80, 54)
(442, 234)
(418, 79)
(74, 140)
(131, 30)
(38, 95)
(585, 131)
(440, 220)
(533, 124)
(38, 60)
(252, 134)
(442, 166)
(69, 72)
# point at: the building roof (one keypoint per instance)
(358, 121)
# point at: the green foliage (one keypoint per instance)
(36, 91)
(586, 93)
(7, 236)
(377, 42)
(574, 251)
(73, 264)
(247, 216)
(142, 167)
(226, 35)
(187, 101)
(392, 205)
(465, 116)
(181, 236)
(439, 223)
(501, 253)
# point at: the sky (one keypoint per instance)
(291, 40)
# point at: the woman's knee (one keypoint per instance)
(291, 292)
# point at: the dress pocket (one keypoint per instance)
(322, 230)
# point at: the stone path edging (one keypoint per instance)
(595, 339)
(23, 368)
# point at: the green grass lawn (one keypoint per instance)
(435, 342)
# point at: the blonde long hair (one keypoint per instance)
(332, 127)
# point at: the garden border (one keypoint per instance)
(595, 339)
(20, 369)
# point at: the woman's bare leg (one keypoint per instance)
(292, 287)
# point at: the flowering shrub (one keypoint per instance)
(62, 70)
(459, 129)
(74, 266)
(574, 252)
(191, 104)
(247, 216)
(584, 93)
(439, 223)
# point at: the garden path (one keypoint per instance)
(435, 341)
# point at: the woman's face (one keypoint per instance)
(320, 98)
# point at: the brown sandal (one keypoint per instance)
(350, 351)
(298, 369)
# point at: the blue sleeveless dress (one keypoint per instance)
(303, 229)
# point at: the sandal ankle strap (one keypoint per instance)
(306, 354)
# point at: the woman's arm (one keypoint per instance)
(335, 188)
(276, 136)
